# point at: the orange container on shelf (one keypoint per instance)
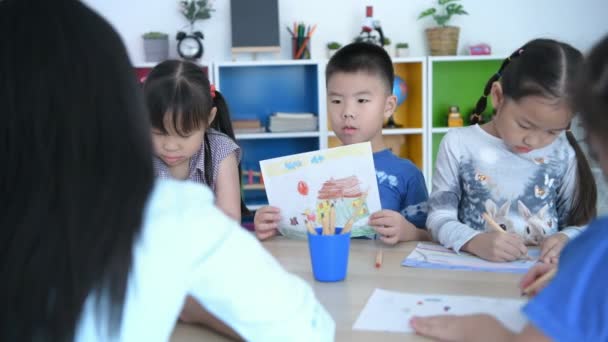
(454, 117)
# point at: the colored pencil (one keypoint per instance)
(332, 220)
(310, 228)
(379, 259)
(348, 225)
(540, 282)
(492, 224)
(497, 228)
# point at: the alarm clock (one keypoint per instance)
(189, 46)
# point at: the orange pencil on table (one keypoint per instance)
(379, 259)
(540, 282)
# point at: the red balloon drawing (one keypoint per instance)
(303, 188)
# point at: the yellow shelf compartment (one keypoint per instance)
(409, 113)
(408, 146)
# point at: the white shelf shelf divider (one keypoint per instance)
(277, 135)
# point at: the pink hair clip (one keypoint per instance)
(212, 87)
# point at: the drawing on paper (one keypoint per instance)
(306, 186)
(392, 311)
(430, 255)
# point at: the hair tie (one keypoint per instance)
(212, 88)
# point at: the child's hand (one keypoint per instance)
(460, 328)
(392, 227)
(534, 273)
(497, 246)
(266, 222)
(551, 247)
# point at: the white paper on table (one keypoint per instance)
(430, 255)
(295, 183)
(391, 311)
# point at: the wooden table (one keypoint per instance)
(345, 300)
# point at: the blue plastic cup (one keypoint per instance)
(329, 255)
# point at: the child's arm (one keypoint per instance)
(552, 246)
(472, 328)
(236, 280)
(266, 222)
(227, 187)
(392, 227)
(194, 313)
(442, 221)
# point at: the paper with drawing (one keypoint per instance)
(391, 311)
(429, 255)
(305, 186)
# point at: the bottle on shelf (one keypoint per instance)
(454, 117)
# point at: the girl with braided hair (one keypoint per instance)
(573, 306)
(525, 162)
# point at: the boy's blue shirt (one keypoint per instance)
(574, 306)
(401, 186)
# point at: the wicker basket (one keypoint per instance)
(443, 41)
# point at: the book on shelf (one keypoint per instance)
(248, 126)
(293, 115)
(292, 122)
(249, 123)
(250, 130)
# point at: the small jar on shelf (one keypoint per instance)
(454, 117)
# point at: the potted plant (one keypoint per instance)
(332, 47)
(402, 49)
(190, 45)
(386, 44)
(156, 46)
(443, 39)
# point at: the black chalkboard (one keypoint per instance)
(255, 25)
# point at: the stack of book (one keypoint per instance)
(292, 122)
(248, 126)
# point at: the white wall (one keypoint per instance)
(503, 24)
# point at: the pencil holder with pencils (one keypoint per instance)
(329, 254)
(299, 50)
(300, 40)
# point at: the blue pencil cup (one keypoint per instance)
(329, 255)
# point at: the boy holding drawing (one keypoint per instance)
(359, 99)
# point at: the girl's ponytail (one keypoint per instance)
(223, 124)
(583, 208)
(483, 100)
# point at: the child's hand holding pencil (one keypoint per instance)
(496, 244)
(537, 278)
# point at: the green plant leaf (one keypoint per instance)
(455, 9)
(426, 13)
(194, 10)
(442, 19)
